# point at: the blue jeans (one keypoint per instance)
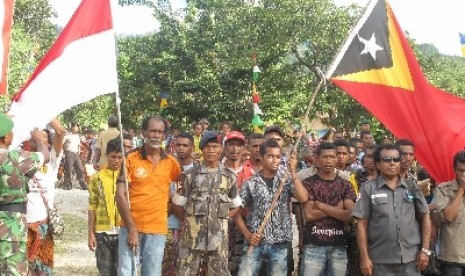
(275, 255)
(452, 269)
(149, 254)
(324, 260)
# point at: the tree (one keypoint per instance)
(32, 35)
(204, 61)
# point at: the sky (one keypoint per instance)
(426, 21)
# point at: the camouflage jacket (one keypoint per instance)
(210, 195)
(16, 168)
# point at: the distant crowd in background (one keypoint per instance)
(166, 201)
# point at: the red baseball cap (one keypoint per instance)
(235, 135)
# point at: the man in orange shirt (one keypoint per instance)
(144, 218)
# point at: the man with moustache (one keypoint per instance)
(208, 197)
(144, 223)
(390, 239)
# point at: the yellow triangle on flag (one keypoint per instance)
(398, 75)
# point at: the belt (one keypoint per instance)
(14, 207)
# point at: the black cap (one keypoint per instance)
(209, 136)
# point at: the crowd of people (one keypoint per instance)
(206, 202)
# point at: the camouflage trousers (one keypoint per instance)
(107, 254)
(190, 260)
(13, 240)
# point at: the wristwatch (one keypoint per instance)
(426, 251)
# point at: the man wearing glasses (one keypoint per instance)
(390, 238)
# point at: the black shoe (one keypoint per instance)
(83, 186)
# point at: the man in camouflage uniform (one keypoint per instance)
(208, 197)
(16, 167)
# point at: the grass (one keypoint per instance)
(75, 232)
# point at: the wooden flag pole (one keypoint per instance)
(282, 183)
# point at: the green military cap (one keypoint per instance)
(6, 124)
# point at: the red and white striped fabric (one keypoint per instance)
(80, 66)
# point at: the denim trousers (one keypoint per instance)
(149, 254)
(324, 260)
(274, 255)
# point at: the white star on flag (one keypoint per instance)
(370, 46)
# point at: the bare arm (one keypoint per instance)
(41, 145)
(300, 192)
(232, 212)
(312, 214)
(123, 207)
(425, 230)
(366, 266)
(342, 214)
(91, 242)
(253, 239)
(59, 135)
(178, 211)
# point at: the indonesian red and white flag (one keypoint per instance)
(79, 66)
(6, 19)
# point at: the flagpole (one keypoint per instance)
(274, 201)
(120, 125)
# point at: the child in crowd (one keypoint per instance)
(103, 214)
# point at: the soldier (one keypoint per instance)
(208, 197)
(16, 168)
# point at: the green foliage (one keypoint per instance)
(134, 2)
(32, 35)
(204, 62)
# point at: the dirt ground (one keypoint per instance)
(72, 256)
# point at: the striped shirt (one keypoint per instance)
(102, 188)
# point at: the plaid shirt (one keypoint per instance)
(257, 197)
(102, 188)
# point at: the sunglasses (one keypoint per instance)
(390, 159)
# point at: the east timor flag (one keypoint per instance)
(377, 67)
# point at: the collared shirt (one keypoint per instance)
(452, 234)
(209, 194)
(102, 188)
(149, 190)
(257, 197)
(394, 235)
(101, 143)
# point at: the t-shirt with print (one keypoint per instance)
(149, 188)
(328, 231)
